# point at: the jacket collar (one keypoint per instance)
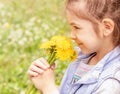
(93, 75)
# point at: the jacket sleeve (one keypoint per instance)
(110, 86)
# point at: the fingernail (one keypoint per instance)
(46, 67)
(41, 71)
(36, 74)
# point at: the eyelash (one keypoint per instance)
(75, 27)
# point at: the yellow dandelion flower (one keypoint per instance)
(62, 42)
(74, 55)
(47, 45)
(64, 54)
(59, 47)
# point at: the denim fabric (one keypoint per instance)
(108, 67)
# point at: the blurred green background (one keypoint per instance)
(24, 24)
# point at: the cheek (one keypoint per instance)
(90, 45)
(93, 44)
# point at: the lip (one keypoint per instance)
(80, 43)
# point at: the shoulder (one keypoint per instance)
(111, 71)
(109, 86)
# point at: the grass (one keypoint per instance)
(24, 24)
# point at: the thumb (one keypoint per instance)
(53, 66)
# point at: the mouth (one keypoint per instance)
(80, 43)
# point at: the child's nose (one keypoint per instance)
(72, 35)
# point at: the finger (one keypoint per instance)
(44, 61)
(36, 69)
(53, 66)
(32, 73)
(40, 64)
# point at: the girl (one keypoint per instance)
(95, 28)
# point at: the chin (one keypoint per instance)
(86, 51)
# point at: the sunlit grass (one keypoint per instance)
(24, 24)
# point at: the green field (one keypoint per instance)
(24, 24)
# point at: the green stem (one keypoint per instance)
(51, 58)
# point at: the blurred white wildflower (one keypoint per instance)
(36, 37)
(28, 33)
(18, 33)
(15, 35)
(39, 21)
(29, 24)
(53, 33)
(16, 87)
(48, 34)
(35, 28)
(4, 84)
(23, 55)
(22, 92)
(22, 41)
(31, 39)
(33, 57)
(45, 26)
(44, 40)
(54, 18)
(33, 19)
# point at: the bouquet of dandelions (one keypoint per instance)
(59, 47)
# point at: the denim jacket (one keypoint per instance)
(108, 67)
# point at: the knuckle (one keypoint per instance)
(36, 62)
(40, 71)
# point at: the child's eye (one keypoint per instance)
(76, 27)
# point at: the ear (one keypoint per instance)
(108, 26)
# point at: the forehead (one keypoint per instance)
(72, 16)
(74, 20)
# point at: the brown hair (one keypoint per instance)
(97, 10)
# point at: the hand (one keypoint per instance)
(38, 67)
(42, 76)
(45, 82)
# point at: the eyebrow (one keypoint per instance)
(74, 23)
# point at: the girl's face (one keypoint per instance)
(84, 34)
